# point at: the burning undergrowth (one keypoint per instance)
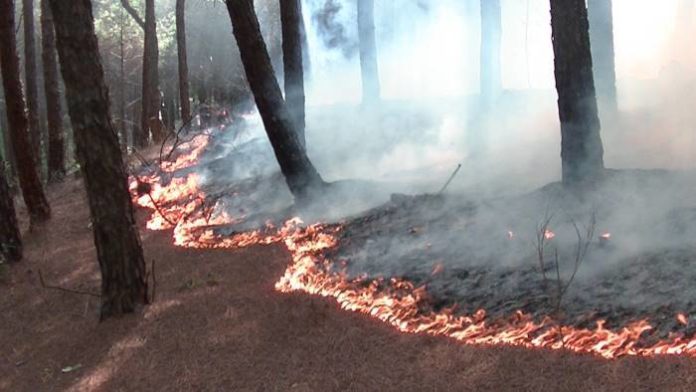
(451, 266)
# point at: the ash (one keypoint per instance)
(481, 254)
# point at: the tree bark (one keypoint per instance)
(10, 240)
(151, 93)
(115, 234)
(56, 144)
(601, 18)
(301, 176)
(368, 51)
(581, 145)
(149, 116)
(123, 131)
(29, 181)
(291, 23)
(183, 63)
(8, 153)
(31, 84)
(490, 68)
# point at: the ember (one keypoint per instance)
(549, 235)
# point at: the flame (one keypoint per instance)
(395, 301)
(196, 147)
(605, 236)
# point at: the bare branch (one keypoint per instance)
(133, 13)
(44, 285)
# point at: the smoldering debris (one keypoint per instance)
(480, 254)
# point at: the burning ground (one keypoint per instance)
(219, 323)
(542, 269)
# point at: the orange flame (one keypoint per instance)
(394, 301)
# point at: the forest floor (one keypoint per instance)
(217, 324)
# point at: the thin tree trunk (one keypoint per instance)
(122, 88)
(29, 181)
(368, 51)
(601, 18)
(301, 176)
(8, 153)
(10, 239)
(581, 145)
(306, 59)
(115, 235)
(291, 21)
(491, 33)
(31, 84)
(151, 93)
(149, 116)
(56, 143)
(183, 64)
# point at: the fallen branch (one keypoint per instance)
(72, 291)
(459, 166)
(159, 211)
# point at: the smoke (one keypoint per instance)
(430, 119)
(331, 22)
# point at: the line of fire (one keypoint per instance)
(321, 195)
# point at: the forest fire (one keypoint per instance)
(395, 301)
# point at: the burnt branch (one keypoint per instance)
(444, 187)
(177, 139)
(540, 243)
(159, 210)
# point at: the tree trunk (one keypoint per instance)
(581, 145)
(10, 240)
(602, 38)
(151, 93)
(149, 116)
(291, 21)
(122, 88)
(490, 67)
(183, 63)
(299, 172)
(29, 181)
(306, 59)
(31, 85)
(8, 153)
(56, 144)
(368, 51)
(115, 234)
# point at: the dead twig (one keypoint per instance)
(142, 159)
(72, 291)
(444, 187)
(159, 210)
(540, 244)
(582, 247)
(177, 140)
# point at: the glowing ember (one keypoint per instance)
(439, 267)
(682, 319)
(395, 301)
(605, 236)
(549, 235)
